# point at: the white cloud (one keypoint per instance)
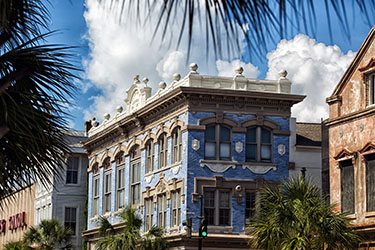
(118, 51)
(173, 62)
(226, 68)
(314, 69)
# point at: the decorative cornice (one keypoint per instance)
(352, 116)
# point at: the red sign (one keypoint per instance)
(15, 221)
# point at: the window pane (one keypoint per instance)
(266, 136)
(224, 201)
(225, 150)
(251, 134)
(224, 134)
(266, 152)
(210, 132)
(209, 215)
(210, 151)
(209, 199)
(251, 152)
(250, 206)
(347, 186)
(370, 183)
(224, 218)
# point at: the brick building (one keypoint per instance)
(351, 142)
(220, 137)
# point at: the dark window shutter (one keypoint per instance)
(347, 186)
(370, 183)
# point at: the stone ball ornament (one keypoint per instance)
(107, 116)
(193, 67)
(239, 70)
(283, 73)
(119, 109)
(176, 76)
(162, 85)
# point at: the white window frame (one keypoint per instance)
(95, 198)
(77, 218)
(175, 208)
(176, 144)
(135, 160)
(149, 213)
(163, 151)
(162, 209)
(78, 171)
(370, 79)
(150, 156)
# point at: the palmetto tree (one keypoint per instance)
(129, 236)
(36, 80)
(17, 245)
(48, 235)
(296, 216)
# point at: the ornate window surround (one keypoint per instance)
(366, 71)
(164, 187)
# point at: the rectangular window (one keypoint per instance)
(95, 204)
(176, 144)
(149, 207)
(162, 210)
(72, 170)
(135, 181)
(347, 186)
(250, 206)
(258, 144)
(370, 183)
(70, 220)
(107, 191)
(176, 208)
(371, 88)
(120, 188)
(149, 156)
(163, 150)
(217, 207)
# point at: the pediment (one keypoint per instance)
(369, 66)
(137, 94)
(344, 154)
(368, 148)
(354, 65)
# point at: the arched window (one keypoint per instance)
(258, 144)
(120, 185)
(176, 144)
(217, 142)
(95, 189)
(149, 156)
(163, 150)
(107, 185)
(135, 175)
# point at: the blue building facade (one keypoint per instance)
(199, 142)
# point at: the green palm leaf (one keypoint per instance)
(36, 82)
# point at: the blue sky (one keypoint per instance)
(68, 18)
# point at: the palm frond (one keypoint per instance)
(226, 24)
(295, 216)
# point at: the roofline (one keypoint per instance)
(355, 62)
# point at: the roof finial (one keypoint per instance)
(136, 79)
(283, 73)
(176, 77)
(239, 71)
(145, 80)
(193, 68)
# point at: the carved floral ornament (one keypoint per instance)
(164, 187)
